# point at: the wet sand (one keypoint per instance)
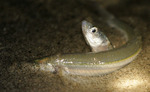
(33, 29)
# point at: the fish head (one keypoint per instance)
(94, 37)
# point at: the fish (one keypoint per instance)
(103, 59)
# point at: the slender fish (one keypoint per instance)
(104, 58)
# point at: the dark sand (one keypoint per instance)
(32, 29)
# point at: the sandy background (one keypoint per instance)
(32, 29)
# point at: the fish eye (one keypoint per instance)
(93, 30)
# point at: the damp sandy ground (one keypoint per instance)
(32, 29)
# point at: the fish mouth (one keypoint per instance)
(86, 26)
